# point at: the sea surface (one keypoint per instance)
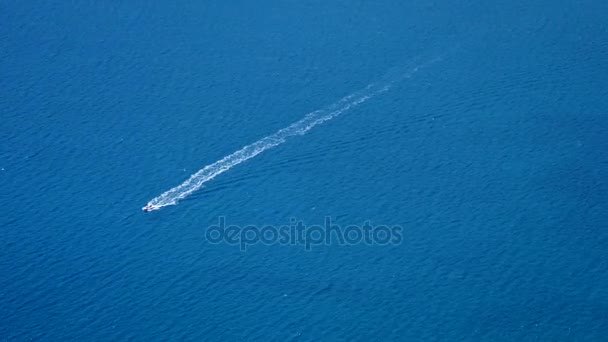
(490, 150)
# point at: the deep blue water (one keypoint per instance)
(493, 160)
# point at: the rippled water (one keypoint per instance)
(493, 160)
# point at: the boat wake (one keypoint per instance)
(196, 181)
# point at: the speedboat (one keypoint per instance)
(149, 207)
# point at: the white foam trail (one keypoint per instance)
(196, 181)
